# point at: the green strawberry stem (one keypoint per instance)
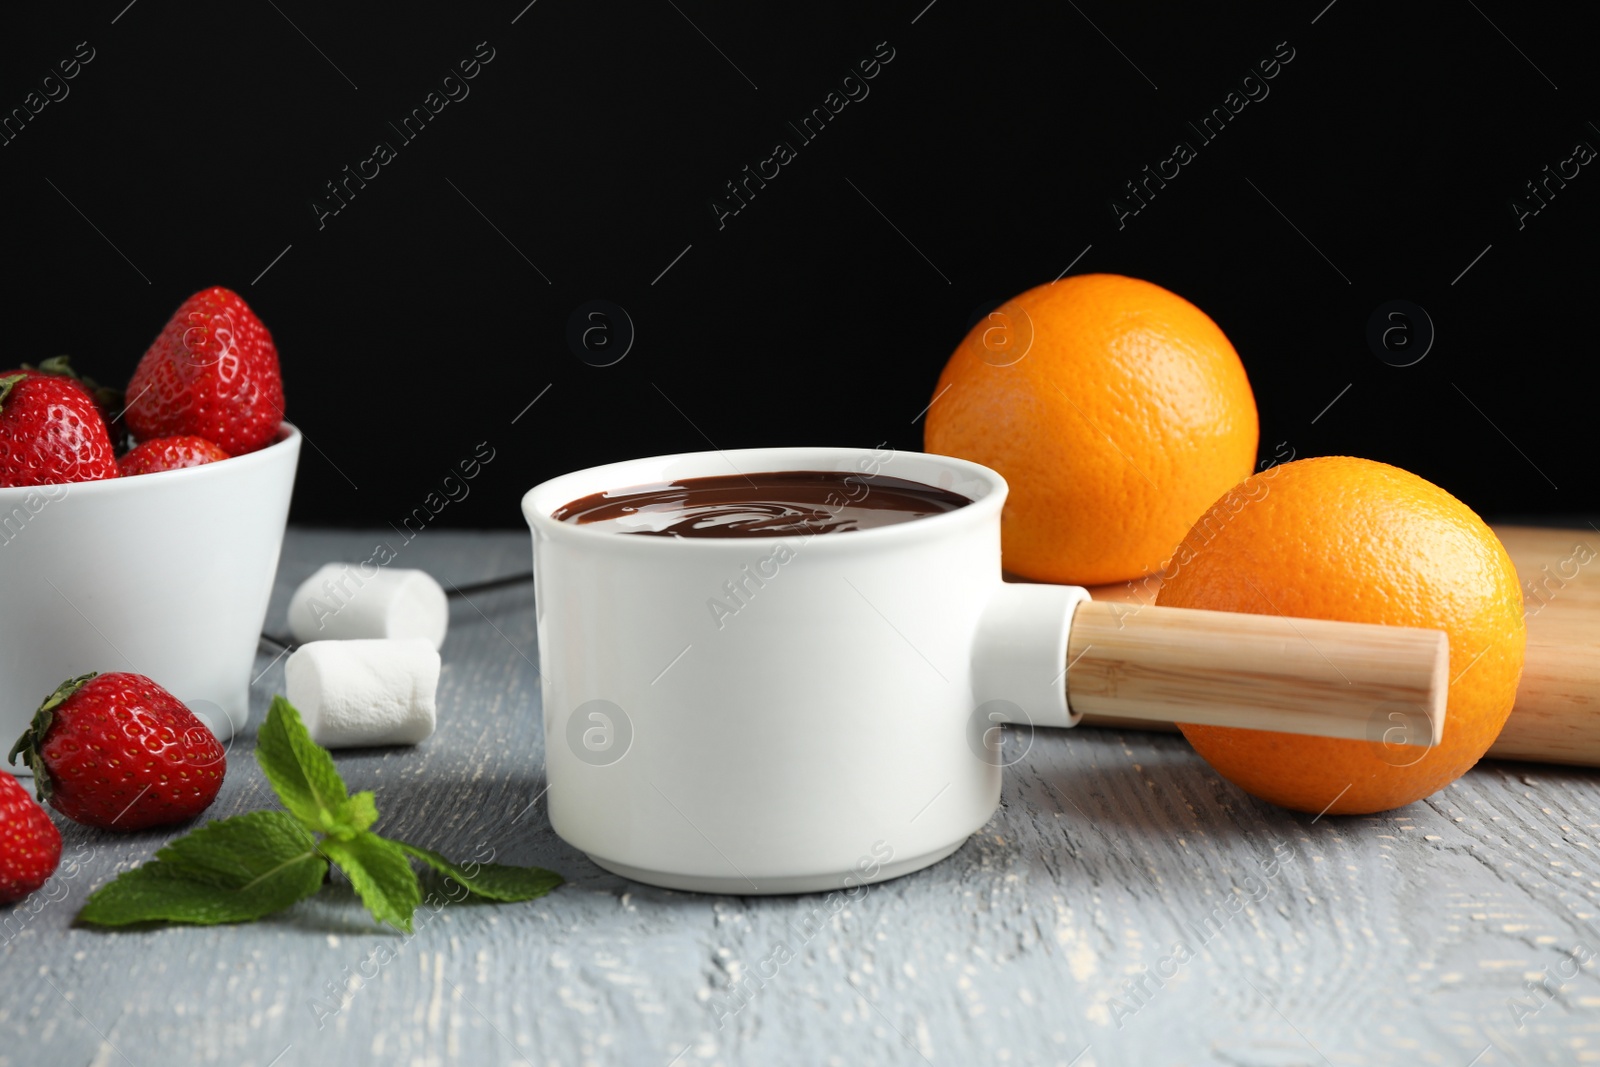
(61, 365)
(5, 386)
(32, 738)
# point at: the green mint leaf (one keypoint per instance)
(300, 770)
(354, 816)
(381, 874)
(493, 881)
(231, 870)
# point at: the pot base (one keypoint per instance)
(768, 886)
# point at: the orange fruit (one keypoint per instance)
(1352, 539)
(1116, 410)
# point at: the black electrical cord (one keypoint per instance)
(492, 583)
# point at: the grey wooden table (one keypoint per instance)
(1124, 906)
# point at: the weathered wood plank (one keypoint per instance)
(1390, 939)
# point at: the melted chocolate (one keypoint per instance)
(772, 504)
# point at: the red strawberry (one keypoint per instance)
(212, 372)
(51, 432)
(169, 454)
(30, 844)
(119, 752)
(108, 399)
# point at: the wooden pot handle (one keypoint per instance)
(1265, 672)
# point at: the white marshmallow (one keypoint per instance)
(358, 693)
(353, 600)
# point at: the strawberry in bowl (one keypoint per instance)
(212, 372)
(51, 432)
(169, 454)
(168, 574)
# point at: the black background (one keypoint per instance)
(418, 321)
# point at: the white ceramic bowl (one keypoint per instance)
(167, 575)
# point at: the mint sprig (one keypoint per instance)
(248, 866)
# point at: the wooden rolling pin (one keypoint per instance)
(1556, 718)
